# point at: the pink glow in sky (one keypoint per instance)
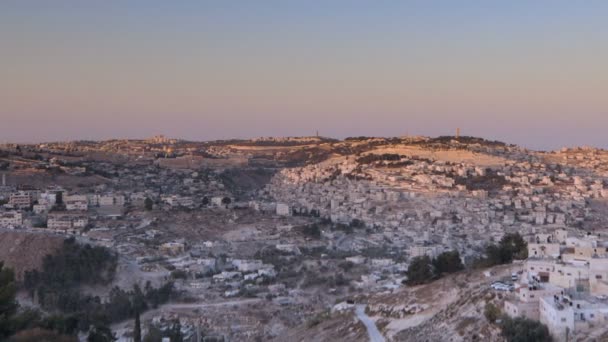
(528, 73)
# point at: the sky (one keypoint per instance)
(533, 73)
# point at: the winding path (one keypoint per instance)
(372, 329)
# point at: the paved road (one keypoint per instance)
(372, 329)
(210, 305)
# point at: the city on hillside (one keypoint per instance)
(307, 239)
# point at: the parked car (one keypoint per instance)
(498, 286)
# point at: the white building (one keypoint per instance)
(76, 202)
(283, 209)
(11, 219)
(67, 220)
(179, 201)
(20, 200)
(112, 200)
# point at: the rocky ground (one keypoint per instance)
(24, 251)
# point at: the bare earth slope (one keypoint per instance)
(25, 251)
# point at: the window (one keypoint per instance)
(531, 296)
(563, 319)
(598, 276)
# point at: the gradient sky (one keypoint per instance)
(533, 73)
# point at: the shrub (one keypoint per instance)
(491, 312)
(448, 262)
(524, 330)
(420, 271)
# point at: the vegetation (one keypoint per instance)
(490, 182)
(491, 312)
(101, 333)
(448, 262)
(524, 330)
(173, 332)
(423, 269)
(8, 305)
(179, 274)
(467, 140)
(518, 329)
(137, 329)
(370, 158)
(420, 271)
(511, 247)
(311, 230)
(56, 288)
(148, 204)
(318, 318)
(72, 266)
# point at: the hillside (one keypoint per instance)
(25, 251)
(452, 306)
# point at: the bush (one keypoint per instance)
(318, 318)
(148, 204)
(420, 271)
(346, 266)
(424, 269)
(491, 312)
(524, 330)
(448, 262)
(510, 247)
(312, 231)
(179, 274)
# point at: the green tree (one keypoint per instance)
(491, 312)
(226, 201)
(148, 204)
(101, 333)
(137, 329)
(175, 332)
(154, 335)
(515, 246)
(448, 262)
(524, 330)
(312, 230)
(511, 246)
(420, 271)
(8, 305)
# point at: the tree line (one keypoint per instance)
(56, 287)
(423, 269)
